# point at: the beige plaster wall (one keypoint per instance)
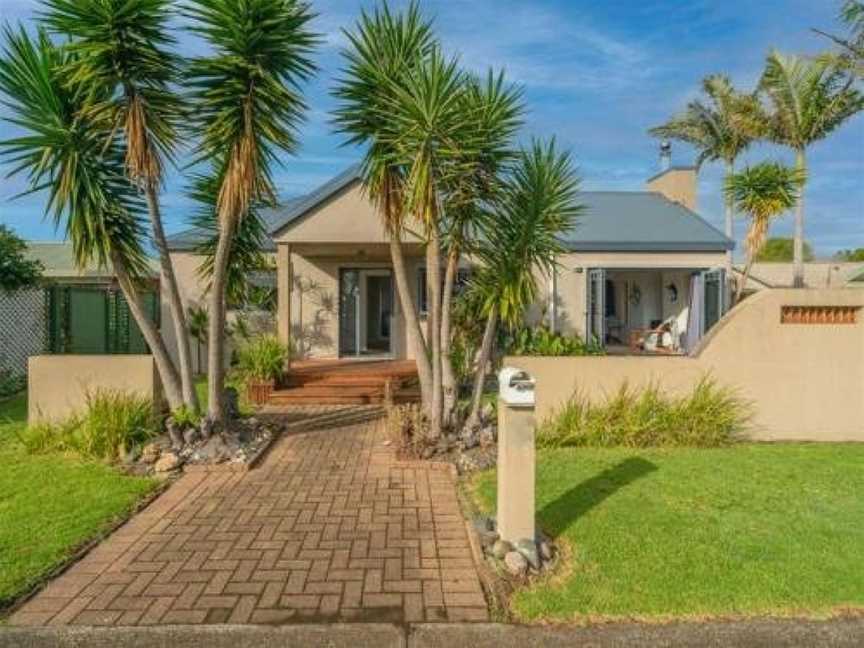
(57, 385)
(346, 217)
(314, 307)
(678, 185)
(806, 381)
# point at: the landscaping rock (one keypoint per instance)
(545, 550)
(167, 462)
(501, 548)
(487, 413)
(515, 563)
(206, 428)
(150, 453)
(488, 538)
(174, 433)
(528, 548)
(488, 435)
(190, 435)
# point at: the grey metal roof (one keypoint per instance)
(637, 221)
(641, 221)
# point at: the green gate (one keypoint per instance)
(95, 320)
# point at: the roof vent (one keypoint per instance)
(665, 155)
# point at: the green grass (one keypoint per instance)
(51, 504)
(752, 529)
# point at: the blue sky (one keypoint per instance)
(596, 76)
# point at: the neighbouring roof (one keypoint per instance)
(640, 221)
(58, 261)
(817, 274)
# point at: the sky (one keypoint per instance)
(596, 75)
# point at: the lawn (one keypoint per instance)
(51, 504)
(752, 529)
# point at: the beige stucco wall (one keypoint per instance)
(573, 273)
(346, 217)
(191, 293)
(314, 300)
(806, 381)
(678, 185)
(57, 385)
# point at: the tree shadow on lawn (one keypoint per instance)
(560, 513)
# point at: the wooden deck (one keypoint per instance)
(347, 382)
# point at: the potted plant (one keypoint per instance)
(261, 361)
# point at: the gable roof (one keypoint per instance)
(635, 221)
(641, 221)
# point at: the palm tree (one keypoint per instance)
(712, 127)
(123, 59)
(497, 110)
(72, 156)
(808, 99)
(435, 140)
(851, 54)
(763, 192)
(382, 49)
(247, 109)
(522, 236)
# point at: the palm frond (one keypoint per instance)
(246, 254)
(123, 57)
(65, 152)
(247, 98)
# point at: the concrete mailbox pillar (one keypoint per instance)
(515, 455)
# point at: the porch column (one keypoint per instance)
(284, 286)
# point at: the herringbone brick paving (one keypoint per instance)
(330, 526)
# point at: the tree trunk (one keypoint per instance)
(433, 283)
(448, 377)
(172, 292)
(730, 230)
(167, 371)
(798, 258)
(412, 322)
(216, 324)
(483, 360)
(747, 267)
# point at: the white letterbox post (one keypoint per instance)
(515, 455)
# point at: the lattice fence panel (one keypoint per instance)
(22, 334)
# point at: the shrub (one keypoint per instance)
(262, 358)
(708, 416)
(540, 341)
(408, 427)
(112, 423)
(185, 418)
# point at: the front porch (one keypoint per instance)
(348, 382)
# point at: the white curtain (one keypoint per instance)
(695, 320)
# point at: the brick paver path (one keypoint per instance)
(330, 526)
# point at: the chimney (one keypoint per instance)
(677, 183)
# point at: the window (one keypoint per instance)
(459, 285)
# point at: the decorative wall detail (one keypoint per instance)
(819, 314)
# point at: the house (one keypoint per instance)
(634, 260)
